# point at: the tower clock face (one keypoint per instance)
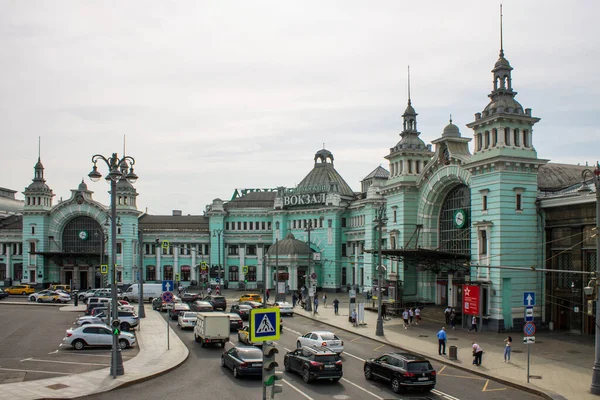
(460, 218)
(83, 235)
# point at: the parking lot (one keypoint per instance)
(30, 348)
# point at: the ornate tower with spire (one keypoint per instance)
(504, 169)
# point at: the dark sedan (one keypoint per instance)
(235, 322)
(3, 294)
(201, 306)
(189, 297)
(402, 370)
(314, 363)
(218, 302)
(253, 304)
(243, 310)
(242, 360)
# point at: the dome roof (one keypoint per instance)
(324, 175)
(502, 63)
(288, 246)
(323, 155)
(451, 130)
(82, 186)
(409, 110)
(507, 103)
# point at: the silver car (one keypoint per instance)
(321, 339)
(94, 335)
(187, 319)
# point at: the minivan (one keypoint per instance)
(151, 292)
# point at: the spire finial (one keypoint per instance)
(409, 84)
(450, 118)
(501, 41)
(124, 146)
(39, 148)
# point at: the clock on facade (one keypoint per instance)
(83, 235)
(460, 218)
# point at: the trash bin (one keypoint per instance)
(453, 353)
(75, 296)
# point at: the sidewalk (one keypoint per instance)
(560, 366)
(153, 359)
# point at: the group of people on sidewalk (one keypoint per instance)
(410, 314)
(476, 347)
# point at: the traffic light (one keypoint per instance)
(115, 327)
(269, 365)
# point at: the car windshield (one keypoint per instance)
(328, 336)
(250, 353)
(419, 366)
(189, 315)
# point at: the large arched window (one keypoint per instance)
(455, 221)
(82, 235)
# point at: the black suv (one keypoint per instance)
(314, 363)
(402, 370)
(217, 302)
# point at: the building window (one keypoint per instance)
(227, 226)
(478, 141)
(251, 250)
(168, 273)
(239, 225)
(245, 226)
(33, 230)
(233, 250)
(516, 136)
(395, 215)
(294, 224)
(483, 244)
(484, 205)
(251, 275)
(507, 136)
(32, 247)
(186, 272)
(518, 200)
(251, 226)
(525, 138)
(344, 254)
(119, 248)
(269, 225)
(487, 139)
(263, 226)
(494, 137)
(233, 273)
(343, 222)
(344, 283)
(118, 230)
(410, 167)
(454, 237)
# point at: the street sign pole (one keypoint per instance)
(528, 358)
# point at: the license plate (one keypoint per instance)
(424, 378)
(334, 343)
(256, 364)
(329, 366)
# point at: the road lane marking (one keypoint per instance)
(297, 390)
(64, 362)
(355, 339)
(444, 395)
(32, 370)
(485, 389)
(440, 371)
(378, 347)
(25, 359)
(353, 356)
(53, 352)
(363, 389)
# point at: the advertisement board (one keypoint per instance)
(471, 299)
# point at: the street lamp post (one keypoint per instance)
(595, 388)
(307, 278)
(141, 309)
(101, 233)
(217, 233)
(119, 168)
(379, 220)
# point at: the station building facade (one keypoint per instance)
(438, 217)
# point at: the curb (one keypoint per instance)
(547, 394)
(33, 303)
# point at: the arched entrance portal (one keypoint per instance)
(83, 246)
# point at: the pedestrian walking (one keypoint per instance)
(473, 324)
(411, 315)
(405, 318)
(354, 318)
(447, 312)
(294, 299)
(383, 311)
(325, 300)
(209, 291)
(507, 348)
(267, 295)
(180, 290)
(442, 338)
(316, 304)
(477, 353)
(417, 315)
(453, 319)
(336, 305)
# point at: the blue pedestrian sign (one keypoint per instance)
(529, 299)
(264, 324)
(167, 286)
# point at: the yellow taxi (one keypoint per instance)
(251, 297)
(53, 297)
(20, 289)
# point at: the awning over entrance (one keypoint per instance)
(431, 260)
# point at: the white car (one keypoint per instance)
(96, 335)
(187, 319)
(34, 296)
(321, 339)
(284, 308)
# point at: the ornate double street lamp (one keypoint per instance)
(595, 388)
(220, 272)
(380, 220)
(118, 168)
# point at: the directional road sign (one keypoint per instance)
(529, 299)
(529, 329)
(217, 280)
(264, 324)
(313, 275)
(529, 339)
(528, 314)
(167, 286)
(167, 297)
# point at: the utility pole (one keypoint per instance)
(307, 279)
(380, 220)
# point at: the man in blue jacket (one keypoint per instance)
(442, 341)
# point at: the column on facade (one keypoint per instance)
(293, 277)
(158, 275)
(449, 293)
(8, 262)
(194, 267)
(242, 263)
(355, 275)
(259, 263)
(176, 268)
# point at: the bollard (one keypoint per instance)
(453, 355)
(76, 298)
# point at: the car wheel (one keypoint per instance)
(368, 374)
(123, 344)
(286, 365)
(236, 374)
(31, 298)
(125, 326)
(305, 375)
(24, 293)
(39, 300)
(396, 385)
(78, 345)
(54, 300)
(298, 344)
(81, 298)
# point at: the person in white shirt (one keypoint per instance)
(417, 315)
(354, 318)
(473, 324)
(447, 312)
(411, 314)
(477, 354)
(405, 318)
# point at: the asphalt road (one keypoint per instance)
(30, 337)
(202, 376)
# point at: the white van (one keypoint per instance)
(151, 291)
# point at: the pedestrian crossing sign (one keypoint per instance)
(264, 324)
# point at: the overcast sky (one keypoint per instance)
(218, 95)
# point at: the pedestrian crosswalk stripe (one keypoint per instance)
(265, 326)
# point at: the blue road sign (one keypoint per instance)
(167, 286)
(529, 314)
(217, 280)
(167, 297)
(264, 324)
(529, 299)
(529, 329)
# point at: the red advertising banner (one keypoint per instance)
(471, 299)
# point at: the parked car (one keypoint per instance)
(235, 322)
(53, 297)
(201, 306)
(284, 308)
(314, 363)
(96, 335)
(34, 296)
(179, 308)
(242, 360)
(97, 318)
(20, 289)
(187, 297)
(402, 370)
(125, 305)
(321, 339)
(84, 294)
(187, 320)
(3, 294)
(251, 297)
(243, 310)
(66, 288)
(157, 304)
(218, 302)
